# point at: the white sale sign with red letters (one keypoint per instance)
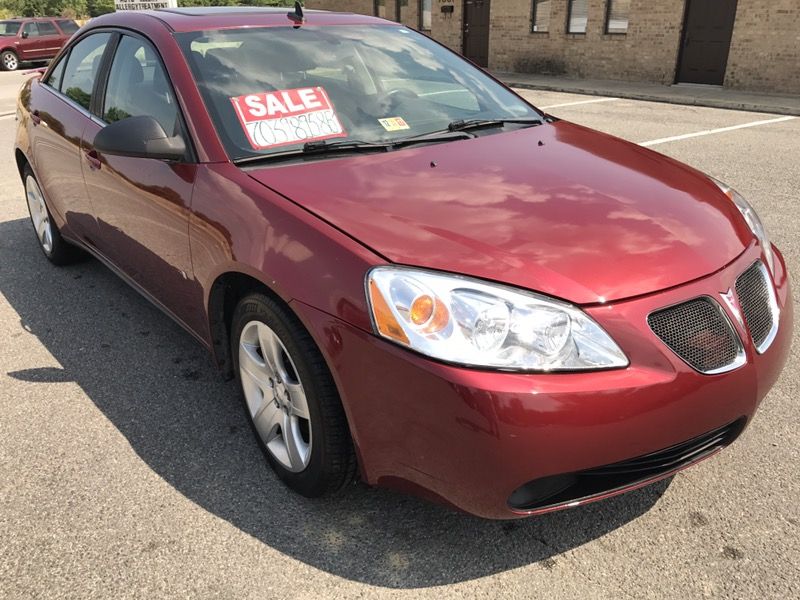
(286, 117)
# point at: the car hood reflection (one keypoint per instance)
(558, 208)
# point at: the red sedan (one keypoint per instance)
(415, 275)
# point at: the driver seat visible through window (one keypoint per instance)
(138, 86)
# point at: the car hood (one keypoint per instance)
(557, 208)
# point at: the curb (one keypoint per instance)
(664, 98)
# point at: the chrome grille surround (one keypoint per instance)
(700, 333)
(759, 305)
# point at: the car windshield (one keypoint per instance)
(9, 27)
(275, 89)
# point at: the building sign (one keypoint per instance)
(144, 4)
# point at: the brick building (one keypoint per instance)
(744, 44)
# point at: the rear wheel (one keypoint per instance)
(55, 248)
(290, 398)
(9, 60)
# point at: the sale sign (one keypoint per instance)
(286, 117)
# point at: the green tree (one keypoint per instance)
(42, 8)
(99, 7)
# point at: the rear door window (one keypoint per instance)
(54, 79)
(47, 28)
(83, 64)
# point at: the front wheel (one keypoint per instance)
(290, 398)
(55, 248)
(9, 60)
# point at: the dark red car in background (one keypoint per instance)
(414, 274)
(32, 39)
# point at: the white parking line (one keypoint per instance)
(686, 136)
(594, 101)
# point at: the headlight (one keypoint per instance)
(465, 321)
(753, 221)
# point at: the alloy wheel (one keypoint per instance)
(39, 214)
(10, 61)
(275, 396)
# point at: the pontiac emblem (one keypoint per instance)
(733, 304)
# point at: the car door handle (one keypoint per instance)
(35, 117)
(93, 159)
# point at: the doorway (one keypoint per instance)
(707, 33)
(476, 31)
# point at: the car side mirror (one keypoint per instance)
(139, 137)
(25, 35)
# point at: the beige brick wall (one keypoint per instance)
(447, 27)
(648, 52)
(764, 56)
(363, 7)
(765, 51)
(409, 9)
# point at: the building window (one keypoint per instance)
(380, 8)
(578, 16)
(540, 18)
(425, 14)
(617, 16)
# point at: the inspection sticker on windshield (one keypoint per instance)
(394, 124)
(286, 117)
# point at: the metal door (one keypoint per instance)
(476, 31)
(707, 33)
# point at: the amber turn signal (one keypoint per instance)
(384, 319)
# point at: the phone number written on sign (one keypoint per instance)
(284, 117)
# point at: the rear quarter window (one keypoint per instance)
(67, 26)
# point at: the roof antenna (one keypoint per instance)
(297, 15)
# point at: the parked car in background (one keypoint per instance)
(413, 273)
(23, 40)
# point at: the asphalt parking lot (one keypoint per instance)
(127, 468)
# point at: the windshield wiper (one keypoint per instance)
(318, 147)
(431, 137)
(466, 125)
(425, 138)
(325, 147)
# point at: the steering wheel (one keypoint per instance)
(402, 93)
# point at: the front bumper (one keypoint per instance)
(471, 438)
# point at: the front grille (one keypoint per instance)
(755, 296)
(558, 490)
(700, 334)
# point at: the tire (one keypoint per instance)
(278, 392)
(57, 250)
(9, 61)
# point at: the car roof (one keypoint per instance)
(223, 17)
(21, 19)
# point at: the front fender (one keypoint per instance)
(238, 226)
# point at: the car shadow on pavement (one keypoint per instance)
(156, 384)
